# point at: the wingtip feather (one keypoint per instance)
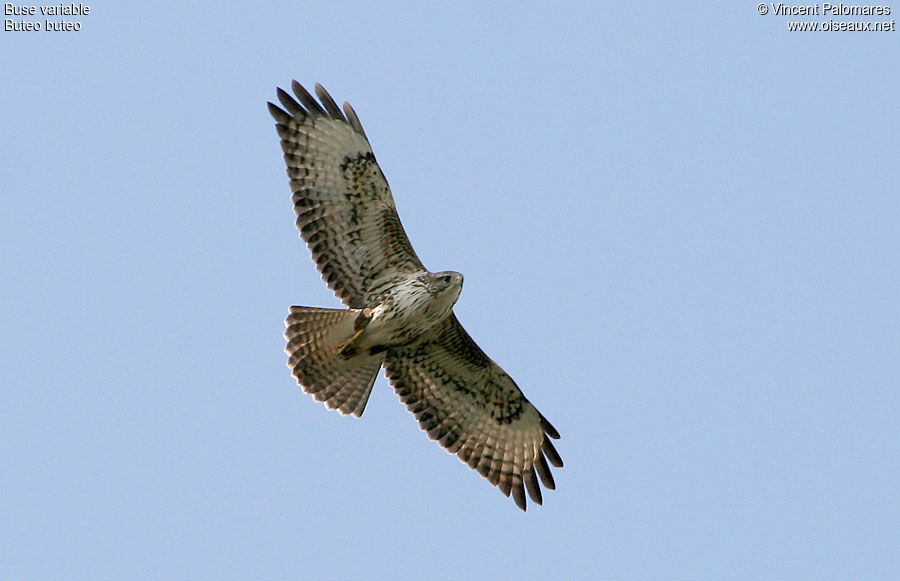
(551, 453)
(353, 119)
(278, 114)
(308, 100)
(543, 471)
(534, 489)
(289, 104)
(333, 110)
(548, 427)
(518, 493)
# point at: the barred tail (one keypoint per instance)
(314, 338)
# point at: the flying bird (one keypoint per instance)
(400, 315)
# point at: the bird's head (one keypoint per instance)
(447, 284)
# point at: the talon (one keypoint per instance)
(346, 348)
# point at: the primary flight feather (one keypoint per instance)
(400, 315)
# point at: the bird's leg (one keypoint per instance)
(347, 348)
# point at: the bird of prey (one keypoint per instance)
(400, 315)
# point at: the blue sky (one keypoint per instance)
(679, 231)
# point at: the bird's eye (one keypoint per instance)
(445, 278)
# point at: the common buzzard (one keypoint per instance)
(400, 315)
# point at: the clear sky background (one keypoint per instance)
(680, 231)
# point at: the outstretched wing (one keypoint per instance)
(345, 211)
(473, 408)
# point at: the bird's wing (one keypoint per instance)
(466, 402)
(345, 211)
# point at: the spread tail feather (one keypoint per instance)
(314, 339)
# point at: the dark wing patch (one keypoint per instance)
(465, 401)
(345, 210)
